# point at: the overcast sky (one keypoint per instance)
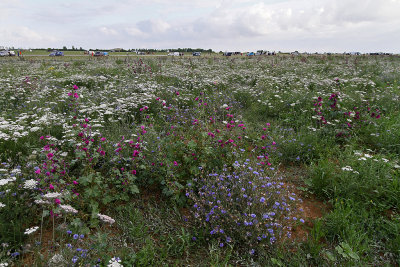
(240, 25)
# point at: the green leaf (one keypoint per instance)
(134, 189)
(276, 262)
(107, 199)
(330, 256)
(45, 213)
(192, 144)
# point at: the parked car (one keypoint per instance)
(227, 54)
(196, 54)
(174, 54)
(11, 53)
(100, 54)
(251, 54)
(56, 54)
(3, 53)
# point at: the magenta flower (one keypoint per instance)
(76, 87)
(37, 171)
(175, 163)
(50, 155)
(51, 186)
(57, 201)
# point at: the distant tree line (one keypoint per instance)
(146, 50)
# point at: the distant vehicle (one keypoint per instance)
(100, 54)
(196, 54)
(251, 54)
(56, 54)
(3, 53)
(175, 54)
(11, 53)
(141, 53)
(227, 54)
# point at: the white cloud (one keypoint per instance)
(223, 25)
(20, 35)
(108, 31)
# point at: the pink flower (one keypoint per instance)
(37, 171)
(103, 139)
(57, 201)
(50, 155)
(75, 182)
(42, 137)
(175, 163)
(51, 186)
(133, 172)
(268, 124)
(76, 87)
(135, 153)
(76, 95)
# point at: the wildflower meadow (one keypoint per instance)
(276, 160)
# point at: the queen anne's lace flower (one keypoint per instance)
(106, 218)
(68, 209)
(30, 184)
(115, 262)
(52, 195)
(31, 230)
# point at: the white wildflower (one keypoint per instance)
(362, 158)
(31, 230)
(68, 209)
(115, 262)
(106, 218)
(7, 180)
(347, 168)
(2, 205)
(52, 195)
(30, 184)
(41, 202)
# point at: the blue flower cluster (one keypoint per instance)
(246, 205)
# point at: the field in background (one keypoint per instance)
(269, 160)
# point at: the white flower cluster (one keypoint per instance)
(3, 264)
(30, 184)
(7, 180)
(68, 209)
(31, 230)
(41, 202)
(2, 205)
(349, 169)
(52, 195)
(115, 262)
(106, 219)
